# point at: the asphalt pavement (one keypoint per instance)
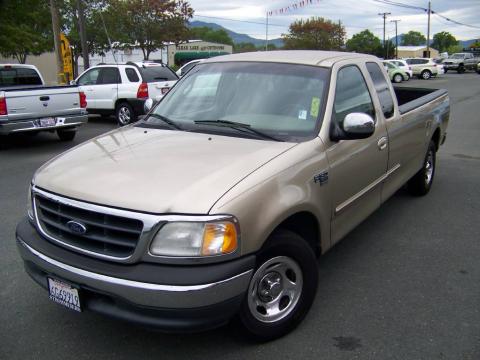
(405, 284)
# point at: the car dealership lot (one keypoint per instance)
(403, 285)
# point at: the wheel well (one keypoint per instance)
(119, 101)
(427, 70)
(436, 138)
(304, 224)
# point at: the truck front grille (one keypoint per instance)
(100, 233)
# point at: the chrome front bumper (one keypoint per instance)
(33, 125)
(140, 293)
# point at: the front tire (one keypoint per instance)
(398, 78)
(421, 183)
(124, 114)
(66, 135)
(461, 69)
(426, 74)
(282, 288)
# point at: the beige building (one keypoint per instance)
(45, 63)
(416, 51)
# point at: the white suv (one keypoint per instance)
(122, 89)
(424, 68)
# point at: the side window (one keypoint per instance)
(89, 78)
(381, 86)
(109, 76)
(132, 75)
(423, 61)
(351, 94)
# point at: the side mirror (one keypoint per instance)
(72, 82)
(358, 126)
(147, 106)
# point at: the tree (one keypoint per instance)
(443, 40)
(244, 47)
(414, 38)
(315, 33)
(208, 34)
(25, 28)
(364, 42)
(148, 24)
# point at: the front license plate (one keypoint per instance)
(47, 122)
(64, 294)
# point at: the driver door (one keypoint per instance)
(357, 167)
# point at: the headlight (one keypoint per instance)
(195, 239)
(29, 203)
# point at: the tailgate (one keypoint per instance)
(42, 102)
(157, 89)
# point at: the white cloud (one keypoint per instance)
(356, 15)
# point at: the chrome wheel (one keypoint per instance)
(275, 289)
(426, 75)
(124, 116)
(397, 78)
(429, 168)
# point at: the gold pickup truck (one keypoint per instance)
(217, 204)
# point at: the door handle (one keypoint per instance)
(382, 143)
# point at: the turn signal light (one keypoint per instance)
(3, 106)
(142, 92)
(219, 238)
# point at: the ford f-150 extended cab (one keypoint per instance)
(218, 202)
(27, 105)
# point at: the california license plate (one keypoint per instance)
(64, 294)
(45, 122)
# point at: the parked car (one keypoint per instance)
(423, 68)
(402, 64)
(218, 202)
(187, 67)
(461, 62)
(121, 89)
(396, 74)
(28, 106)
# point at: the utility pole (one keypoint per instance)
(56, 40)
(266, 33)
(384, 15)
(396, 37)
(428, 30)
(83, 35)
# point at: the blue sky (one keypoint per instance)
(356, 15)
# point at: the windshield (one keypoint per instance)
(284, 101)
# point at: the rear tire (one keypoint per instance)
(282, 288)
(421, 183)
(426, 74)
(124, 114)
(66, 135)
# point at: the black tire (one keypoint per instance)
(397, 78)
(303, 268)
(421, 183)
(66, 135)
(426, 74)
(124, 114)
(461, 69)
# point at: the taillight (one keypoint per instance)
(434, 65)
(3, 106)
(83, 100)
(142, 92)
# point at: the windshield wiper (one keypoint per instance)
(237, 126)
(166, 120)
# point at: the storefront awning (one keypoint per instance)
(192, 55)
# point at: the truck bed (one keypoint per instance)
(410, 98)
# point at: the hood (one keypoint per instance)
(154, 170)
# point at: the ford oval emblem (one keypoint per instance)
(76, 227)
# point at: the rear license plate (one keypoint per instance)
(64, 294)
(50, 121)
(165, 90)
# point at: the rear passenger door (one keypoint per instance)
(357, 167)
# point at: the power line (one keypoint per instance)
(237, 20)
